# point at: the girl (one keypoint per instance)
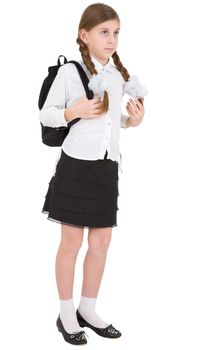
(83, 191)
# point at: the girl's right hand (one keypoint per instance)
(84, 108)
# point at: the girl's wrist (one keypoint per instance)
(69, 114)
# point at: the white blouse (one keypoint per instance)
(89, 138)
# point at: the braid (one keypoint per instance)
(120, 66)
(86, 56)
(91, 68)
(122, 69)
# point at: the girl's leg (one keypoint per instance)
(71, 241)
(94, 264)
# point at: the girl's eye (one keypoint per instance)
(106, 32)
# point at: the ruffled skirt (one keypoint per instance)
(83, 192)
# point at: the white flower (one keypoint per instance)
(100, 83)
(134, 88)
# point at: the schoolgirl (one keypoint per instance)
(83, 191)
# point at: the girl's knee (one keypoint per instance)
(99, 238)
(71, 237)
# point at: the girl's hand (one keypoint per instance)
(136, 112)
(84, 108)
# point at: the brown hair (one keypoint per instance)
(92, 16)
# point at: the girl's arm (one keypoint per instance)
(55, 113)
(52, 112)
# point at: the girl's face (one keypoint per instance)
(102, 40)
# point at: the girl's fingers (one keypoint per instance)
(130, 111)
(96, 111)
(132, 107)
(135, 108)
(96, 106)
(96, 100)
(137, 105)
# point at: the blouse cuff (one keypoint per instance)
(53, 117)
(63, 120)
(123, 120)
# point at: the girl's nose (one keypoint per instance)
(111, 38)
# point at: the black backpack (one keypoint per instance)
(54, 136)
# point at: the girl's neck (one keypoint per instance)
(103, 62)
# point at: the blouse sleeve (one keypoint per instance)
(52, 112)
(123, 120)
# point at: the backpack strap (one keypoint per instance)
(84, 79)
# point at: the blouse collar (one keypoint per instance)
(99, 66)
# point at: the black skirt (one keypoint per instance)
(83, 193)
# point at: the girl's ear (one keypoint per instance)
(83, 35)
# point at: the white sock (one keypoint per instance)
(87, 310)
(68, 316)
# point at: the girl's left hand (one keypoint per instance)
(136, 112)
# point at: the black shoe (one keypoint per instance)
(76, 338)
(107, 332)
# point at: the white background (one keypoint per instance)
(156, 286)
